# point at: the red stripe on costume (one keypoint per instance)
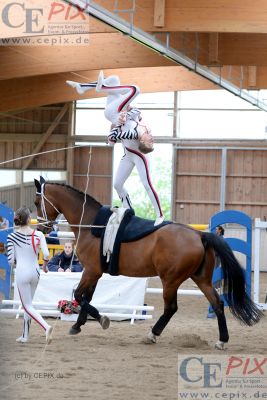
(36, 320)
(147, 175)
(133, 88)
(128, 98)
(33, 244)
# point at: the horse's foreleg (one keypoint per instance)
(84, 296)
(218, 307)
(170, 308)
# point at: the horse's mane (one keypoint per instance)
(88, 197)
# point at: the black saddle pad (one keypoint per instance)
(132, 228)
(138, 228)
(135, 229)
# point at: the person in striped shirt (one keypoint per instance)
(22, 247)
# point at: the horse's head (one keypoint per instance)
(47, 212)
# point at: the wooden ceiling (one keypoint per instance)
(229, 35)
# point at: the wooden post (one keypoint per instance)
(252, 76)
(159, 13)
(214, 48)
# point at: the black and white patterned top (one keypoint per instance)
(24, 248)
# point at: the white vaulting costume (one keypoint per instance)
(125, 122)
(24, 249)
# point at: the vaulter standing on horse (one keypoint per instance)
(125, 123)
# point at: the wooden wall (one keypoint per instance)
(196, 185)
(11, 196)
(100, 178)
(100, 172)
(246, 187)
(197, 182)
(20, 133)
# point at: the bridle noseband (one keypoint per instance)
(44, 218)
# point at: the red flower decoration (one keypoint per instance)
(75, 303)
(62, 303)
(68, 307)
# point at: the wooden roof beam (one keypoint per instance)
(199, 15)
(112, 50)
(16, 94)
(36, 91)
(223, 49)
(180, 16)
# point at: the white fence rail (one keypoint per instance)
(50, 310)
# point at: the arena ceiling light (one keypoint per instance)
(172, 54)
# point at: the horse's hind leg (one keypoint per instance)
(170, 308)
(83, 294)
(218, 307)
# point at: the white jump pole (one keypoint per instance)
(100, 306)
(128, 316)
(48, 313)
(179, 291)
(56, 313)
(62, 235)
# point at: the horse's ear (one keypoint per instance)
(37, 185)
(42, 180)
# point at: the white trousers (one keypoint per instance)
(119, 97)
(27, 284)
(131, 159)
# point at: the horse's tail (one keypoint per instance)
(234, 287)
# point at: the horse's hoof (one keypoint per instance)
(74, 331)
(151, 338)
(104, 322)
(219, 345)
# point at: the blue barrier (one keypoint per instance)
(239, 245)
(5, 269)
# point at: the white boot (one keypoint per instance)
(81, 88)
(75, 85)
(159, 220)
(22, 339)
(48, 334)
(100, 81)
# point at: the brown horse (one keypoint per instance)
(174, 252)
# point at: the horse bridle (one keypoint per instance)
(44, 219)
